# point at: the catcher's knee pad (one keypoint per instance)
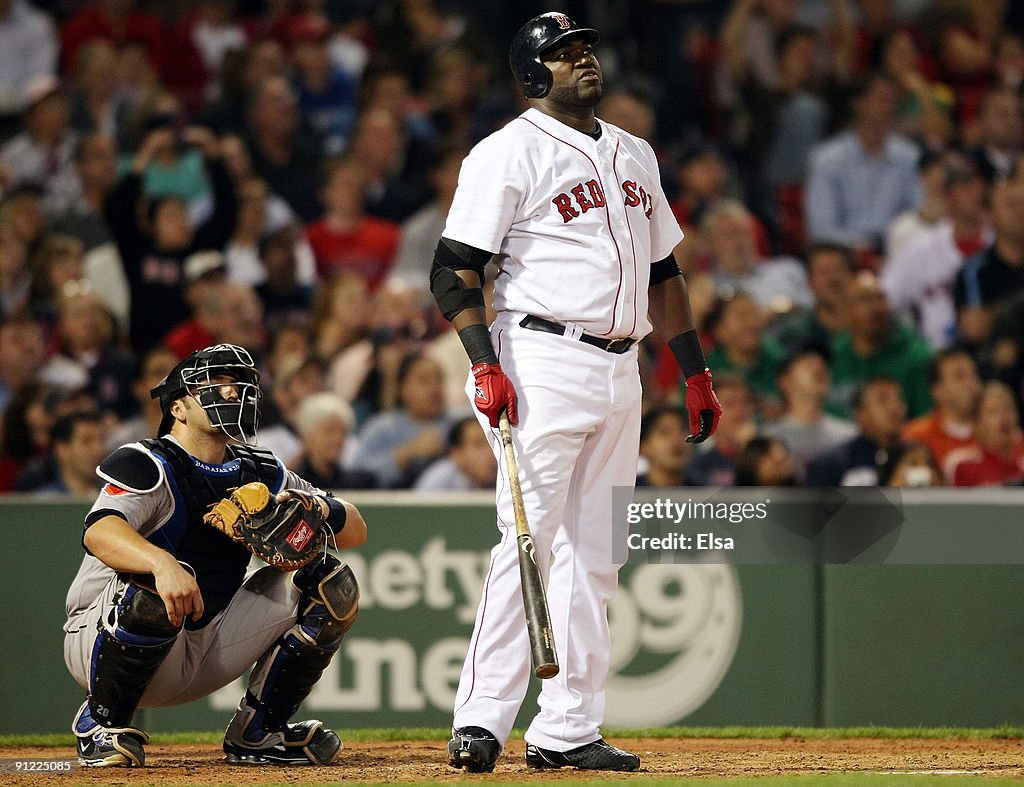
(330, 599)
(284, 676)
(133, 641)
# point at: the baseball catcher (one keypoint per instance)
(164, 609)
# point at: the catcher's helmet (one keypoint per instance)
(536, 37)
(237, 416)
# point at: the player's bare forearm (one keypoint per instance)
(669, 304)
(354, 532)
(118, 545)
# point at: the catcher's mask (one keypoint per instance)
(231, 405)
(538, 36)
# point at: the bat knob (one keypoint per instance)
(546, 671)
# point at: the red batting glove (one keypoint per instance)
(703, 406)
(494, 393)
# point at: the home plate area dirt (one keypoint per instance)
(423, 761)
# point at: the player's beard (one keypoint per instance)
(577, 96)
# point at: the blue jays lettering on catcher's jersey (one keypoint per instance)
(170, 517)
(575, 222)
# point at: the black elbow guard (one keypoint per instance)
(449, 291)
(665, 269)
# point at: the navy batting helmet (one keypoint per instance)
(539, 35)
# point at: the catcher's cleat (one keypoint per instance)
(596, 756)
(305, 743)
(100, 747)
(474, 749)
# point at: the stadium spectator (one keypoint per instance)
(999, 137)
(95, 104)
(88, 355)
(295, 380)
(116, 21)
(876, 344)
(737, 325)
(919, 279)
(96, 168)
(995, 273)
(25, 426)
(148, 373)
(341, 318)
(925, 108)
(43, 153)
(914, 222)
(346, 239)
(397, 445)
(58, 262)
(862, 178)
(804, 426)
(955, 386)
(782, 123)
(910, 465)
(28, 49)
(778, 284)
(326, 94)
(663, 448)
(78, 448)
(241, 72)
(154, 252)
(765, 461)
(16, 282)
(881, 413)
(714, 462)
(200, 41)
(324, 422)
(420, 232)
(829, 271)
(395, 187)
(285, 297)
(203, 272)
(284, 153)
(966, 49)
(997, 458)
(469, 462)
(22, 353)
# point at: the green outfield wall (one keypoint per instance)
(694, 644)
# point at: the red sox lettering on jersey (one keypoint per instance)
(571, 207)
(575, 221)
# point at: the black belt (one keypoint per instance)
(614, 346)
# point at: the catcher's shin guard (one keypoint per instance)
(133, 642)
(284, 676)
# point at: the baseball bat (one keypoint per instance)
(535, 600)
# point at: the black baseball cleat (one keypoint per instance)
(596, 756)
(104, 747)
(305, 743)
(474, 749)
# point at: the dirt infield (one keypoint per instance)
(419, 761)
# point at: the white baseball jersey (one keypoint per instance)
(576, 221)
(921, 277)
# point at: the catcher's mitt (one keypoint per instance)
(286, 535)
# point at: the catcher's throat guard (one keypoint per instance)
(224, 381)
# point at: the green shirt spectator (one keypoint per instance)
(877, 345)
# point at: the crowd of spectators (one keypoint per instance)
(276, 173)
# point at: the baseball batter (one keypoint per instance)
(572, 211)
(162, 612)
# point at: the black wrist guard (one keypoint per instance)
(687, 350)
(336, 519)
(477, 341)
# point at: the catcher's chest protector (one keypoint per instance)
(219, 563)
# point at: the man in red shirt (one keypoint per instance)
(955, 386)
(117, 21)
(345, 238)
(997, 459)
